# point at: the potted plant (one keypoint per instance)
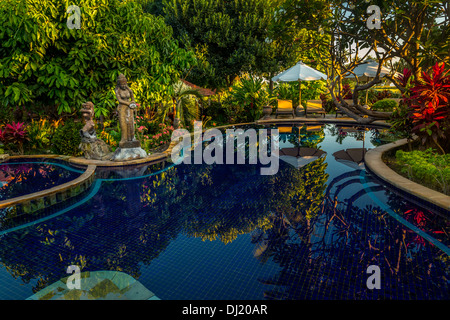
(267, 108)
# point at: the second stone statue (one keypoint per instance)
(129, 146)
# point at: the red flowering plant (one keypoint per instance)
(15, 134)
(429, 108)
(347, 92)
(160, 139)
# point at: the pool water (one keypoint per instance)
(19, 177)
(224, 231)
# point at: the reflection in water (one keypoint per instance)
(313, 230)
(21, 178)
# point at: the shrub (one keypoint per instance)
(14, 134)
(249, 96)
(159, 139)
(427, 168)
(385, 105)
(401, 124)
(66, 139)
(430, 104)
(347, 92)
(40, 133)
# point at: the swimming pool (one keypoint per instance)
(311, 231)
(19, 177)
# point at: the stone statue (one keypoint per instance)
(88, 131)
(125, 110)
(129, 147)
(92, 147)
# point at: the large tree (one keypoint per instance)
(231, 37)
(47, 66)
(415, 34)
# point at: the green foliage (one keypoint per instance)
(230, 37)
(422, 45)
(216, 111)
(40, 133)
(53, 69)
(248, 97)
(67, 138)
(160, 139)
(427, 168)
(385, 105)
(430, 108)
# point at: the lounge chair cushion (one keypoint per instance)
(285, 105)
(314, 106)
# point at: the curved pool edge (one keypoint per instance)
(37, 200)
(378, 123)
(374, 162)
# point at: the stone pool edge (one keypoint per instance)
(374, 162)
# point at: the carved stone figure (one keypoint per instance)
(88, 131)
(129, 147)
(125, 110)
(92, 147)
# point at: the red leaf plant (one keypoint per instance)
(430, 104)
(15, 133)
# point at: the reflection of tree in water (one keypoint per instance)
(16, 179)
(329, 260)
(131, 222)
(307, 136)
(106, 233)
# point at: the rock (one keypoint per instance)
(125, 154)
(4, 156)
(95, 149)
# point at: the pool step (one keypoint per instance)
(97, 285)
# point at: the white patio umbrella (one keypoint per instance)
(299, 72)
(367, 71)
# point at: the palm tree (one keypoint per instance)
(184, 103)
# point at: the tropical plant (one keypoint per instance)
(231, 37)
(249, 96)
(15, 134)
(401, 123)
(430, 108)
(186, 102)
(159, 139)
(40, 133)
(67, 138)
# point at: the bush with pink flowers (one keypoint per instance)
(157, 140)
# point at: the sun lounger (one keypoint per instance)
(314, 107)
(284, 107)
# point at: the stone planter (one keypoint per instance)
(299, 111)
(267, 111)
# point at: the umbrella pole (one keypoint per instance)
(300, 93)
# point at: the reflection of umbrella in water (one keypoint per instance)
(352, 157)
(300, 156)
